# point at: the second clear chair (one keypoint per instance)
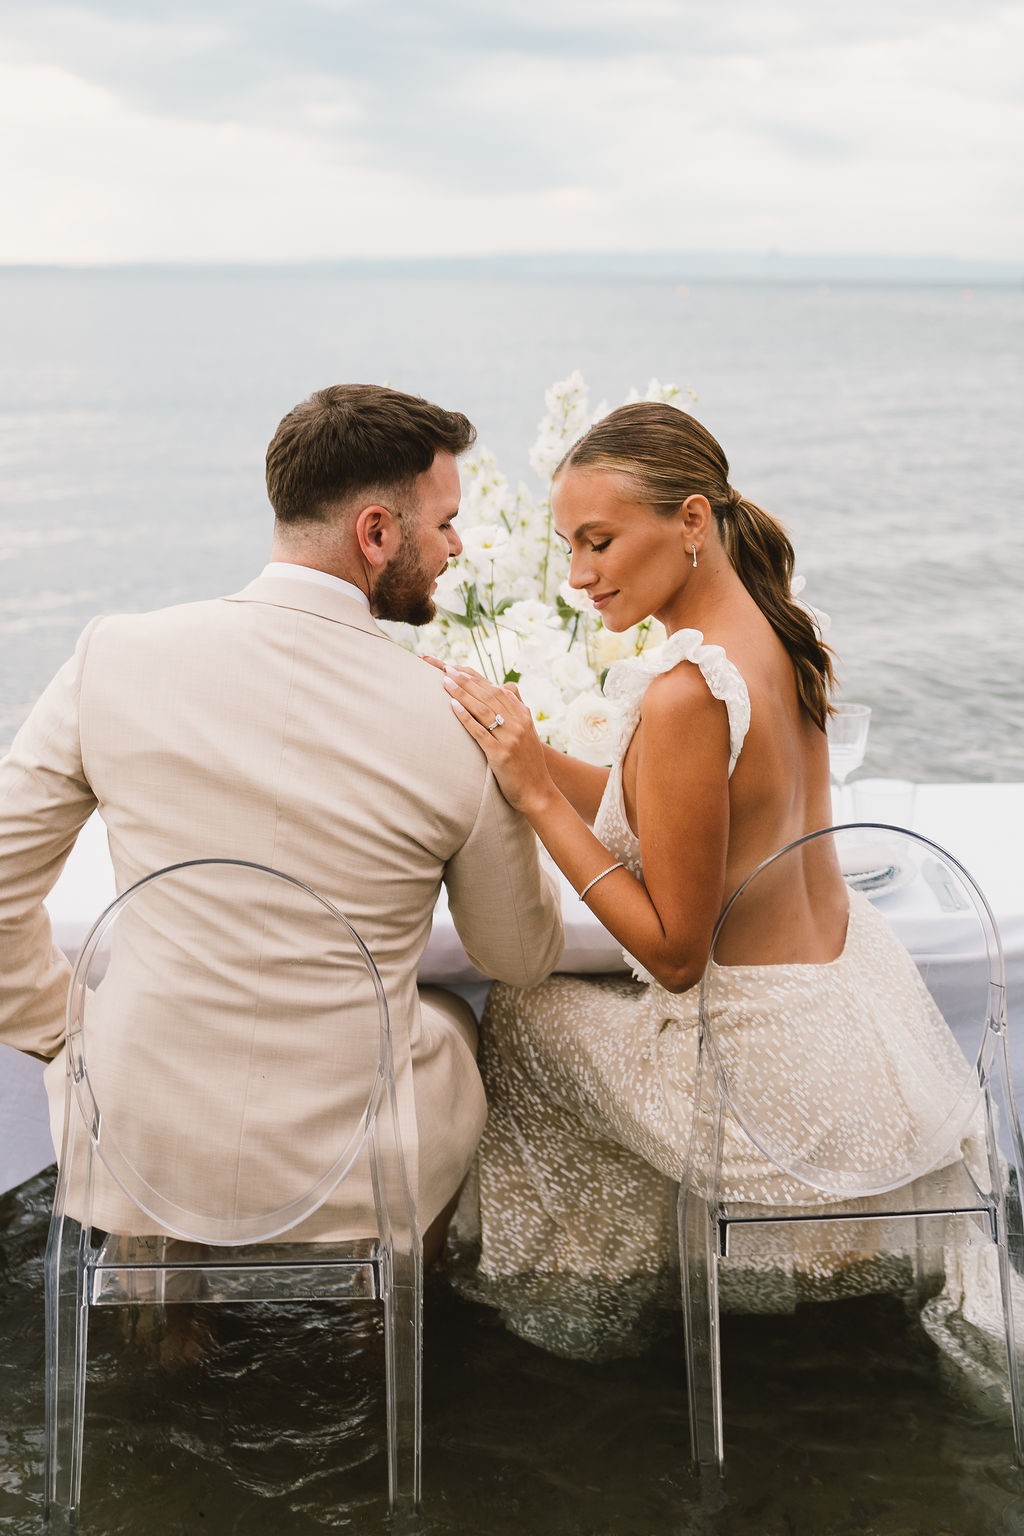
(894, 1156)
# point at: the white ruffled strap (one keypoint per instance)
(628, 681)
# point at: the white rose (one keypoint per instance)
(591, 726)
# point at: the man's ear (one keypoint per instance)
(378, 535)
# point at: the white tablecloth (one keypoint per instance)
(981, 824)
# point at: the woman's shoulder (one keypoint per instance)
(628, 681)
(684, 645)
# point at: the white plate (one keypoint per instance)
(875, 871)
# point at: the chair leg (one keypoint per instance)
(699, 1273)
(1013, 1326)
(1006, 1172)
(1011, 1284)
(929, 1261)
(67, 1323)
(403, 1334)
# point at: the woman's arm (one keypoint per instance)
(581, 783)
(682, 808)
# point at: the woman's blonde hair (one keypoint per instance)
(670, 456)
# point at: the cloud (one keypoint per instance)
(324, 127)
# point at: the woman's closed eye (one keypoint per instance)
(599, 548)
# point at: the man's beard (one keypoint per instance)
(402, 590)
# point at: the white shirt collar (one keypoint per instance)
(319, 578)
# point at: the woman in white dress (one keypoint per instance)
(723, 759)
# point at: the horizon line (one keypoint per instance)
(763, 258)
(704, 265)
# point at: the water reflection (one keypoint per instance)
(839, 1423)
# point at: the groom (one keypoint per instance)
(281, 725)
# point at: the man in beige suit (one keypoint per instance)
(281, 725)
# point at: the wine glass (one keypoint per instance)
(847, 742)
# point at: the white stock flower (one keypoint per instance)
(664, 394)
(529, 616)
(482, 545)
(572, 673)
(548, 450)
(822, 621)
(573, 598)
(498, 607)
(667, 394)
(515, 568)
(485, 489)
(605, 646)
(567, 418)
(500, 653)
(448, 583)
(543, 700)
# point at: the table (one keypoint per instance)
(981, 824)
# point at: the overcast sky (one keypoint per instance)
(281, 129)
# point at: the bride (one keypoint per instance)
(723, 759)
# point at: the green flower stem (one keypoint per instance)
(497, 627)
(481, 654)
(547, 554)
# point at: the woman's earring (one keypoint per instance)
(693, 552)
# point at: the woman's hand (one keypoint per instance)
(500, 722)
(581, 783)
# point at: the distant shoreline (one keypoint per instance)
(660, 266)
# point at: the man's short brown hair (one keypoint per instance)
(352, 438)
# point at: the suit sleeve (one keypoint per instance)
(45, 801)
(506, 908)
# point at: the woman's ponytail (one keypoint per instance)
(762, 557)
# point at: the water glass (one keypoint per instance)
(847, 741)
(890, 801)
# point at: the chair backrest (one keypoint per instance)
(852, 1067)
(229, 1049)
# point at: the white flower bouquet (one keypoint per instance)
(505, 607)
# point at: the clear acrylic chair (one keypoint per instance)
(888, 1180)
(231, 1107)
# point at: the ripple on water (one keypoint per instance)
(839, 1423)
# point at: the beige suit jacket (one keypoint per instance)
(279, 725)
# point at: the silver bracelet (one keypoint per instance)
(596, 878)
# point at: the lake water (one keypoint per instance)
(839, 1422)
(883, 426)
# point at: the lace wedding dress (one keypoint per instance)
(589, 1084)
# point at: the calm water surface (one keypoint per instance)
(839, 1422)
(882, 425)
